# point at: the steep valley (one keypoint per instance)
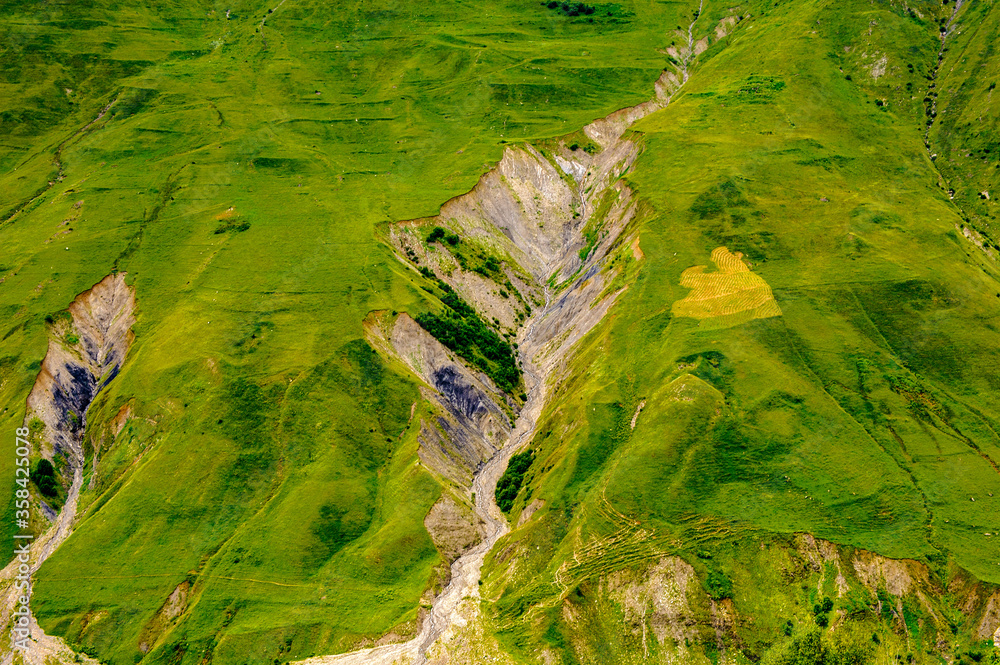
(518, 332)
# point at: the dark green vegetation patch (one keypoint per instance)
(463, 331)
(584, 12)
(510, 482)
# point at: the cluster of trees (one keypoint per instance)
(813, 649)
(438, 233)
(44, 477)
(510, 482)
(571, 8)
(462, 331)
(489, 268)
(822, 611)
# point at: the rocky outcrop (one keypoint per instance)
(455, 529)
(545, 225)
(471, 422)
(549, 214)
(86, 351)
(658, 598)
(552, 217)
(535, 248)
(173, 607)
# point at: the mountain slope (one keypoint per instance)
(863, 414)
(260, 477)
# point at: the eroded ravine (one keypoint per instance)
(86, 350)
(560, 216)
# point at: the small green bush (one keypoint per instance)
(718, 585)
(510, 482)
(233, 225)
(44, 478)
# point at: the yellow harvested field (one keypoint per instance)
(732, 292)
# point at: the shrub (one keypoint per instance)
(510, 482)
(44, 478)
(232, 225)
(436, 234)
(572, 8)
(45, 468)
(718, 585)
(806, 650)
(47, 485)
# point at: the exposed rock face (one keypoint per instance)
(541, 222)
(455, 529)
(173, 607)
(989, 625)
(549, 216)
(86, 355)
(471, 426)
(895, 576)
(658, 595)
(553, 218)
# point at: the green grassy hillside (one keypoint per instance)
(268, 462)
(235, 161)
(865, 414)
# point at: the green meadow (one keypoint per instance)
(235, 161)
